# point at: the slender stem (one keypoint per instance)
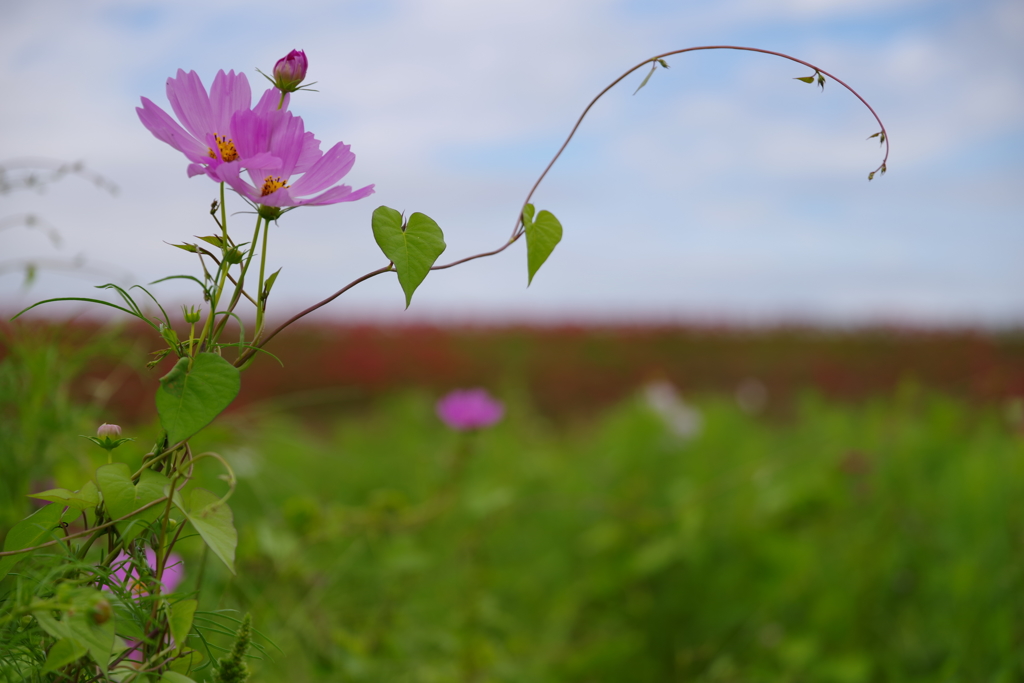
(202, 252)
(517, 229)
(248, 354)
(261, 303)
(83, 533)
(163, 550)
(221, 274)
(239, 286)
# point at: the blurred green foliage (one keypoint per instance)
(46, 401)
(878, 541)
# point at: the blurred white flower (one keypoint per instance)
(681, 419)
(751, 396)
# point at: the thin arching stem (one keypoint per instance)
(517, 230)
(248, 354)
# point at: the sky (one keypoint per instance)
(724, 191)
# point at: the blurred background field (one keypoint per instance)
(659, 504)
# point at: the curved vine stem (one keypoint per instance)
(517, 230)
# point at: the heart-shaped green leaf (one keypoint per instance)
(413, 247)
(182, 614)
(35, 529)
(215, 523)
(122, 497)
(63, 652)
(82, 630)
(542, 235)
(87, 497)
(189, 399)
(175, 677)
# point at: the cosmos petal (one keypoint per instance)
(228, 94)
(329, 169)
(191, 104)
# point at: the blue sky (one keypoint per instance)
(723, 191)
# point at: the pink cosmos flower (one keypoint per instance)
(125, 574)
(204, 132)
(465, 409)
(282, 136)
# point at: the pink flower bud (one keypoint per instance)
(107, 431)
(290, 71)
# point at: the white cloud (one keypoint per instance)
(681, 197)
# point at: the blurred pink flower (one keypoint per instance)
(124, 573)
(465, 409)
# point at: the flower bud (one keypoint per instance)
(290, 71)
(107, 431)
(101, 612)
(191, 313)
(108, 437)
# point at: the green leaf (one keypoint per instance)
(87, 497)
(57, 629)
(190, 248)
(188, 400)
(63, 652)
(805, 79)
(270, 283)
(413, 248)
(215, 240)
(122, 497)
(175, 677)
(654, 65)
(215, 523)
(541, 237)
(91, 301)
(182, 613)
(187, 661)
(99, 638)
(34, 530)
(527, 215)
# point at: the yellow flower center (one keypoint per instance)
(271, 185)
(226, 147)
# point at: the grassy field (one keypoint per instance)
(878, 538)
(876, 542)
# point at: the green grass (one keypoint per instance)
(875, 542)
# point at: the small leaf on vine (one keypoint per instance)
(871, 176)
(664, 64)
(190, 248)
(821, 81)
(654, 65)
(413, 246)
(542, 236)
(805, 79)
